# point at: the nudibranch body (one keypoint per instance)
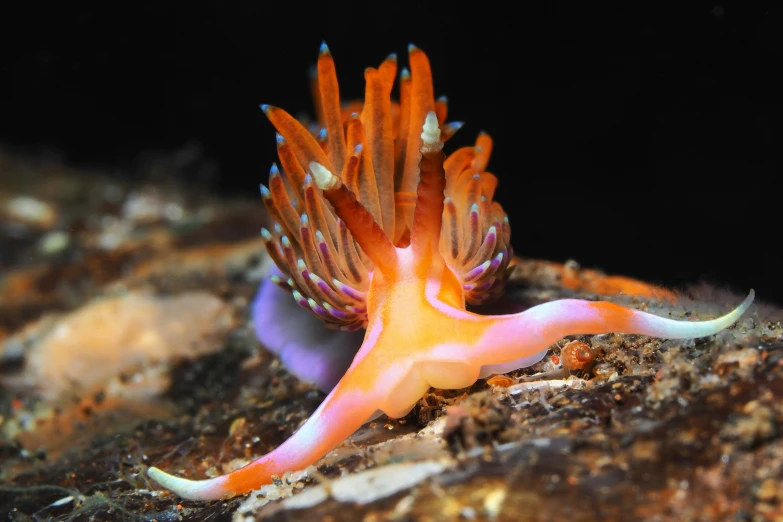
(377, 229)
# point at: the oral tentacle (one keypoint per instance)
(510, 337)
(208, 489)
(343, 411)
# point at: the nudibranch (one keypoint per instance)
(376, 229)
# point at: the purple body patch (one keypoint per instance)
(306, 347)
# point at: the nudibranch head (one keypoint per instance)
(373, 149)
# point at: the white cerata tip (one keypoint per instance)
(324, 179)
(430, 134)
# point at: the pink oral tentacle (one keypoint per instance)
(210, 489)
(341, 413)
(526, 334)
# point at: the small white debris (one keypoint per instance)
(31, 211)
(555, 385)
(493, 502)
(53, 242)
(62, 501)
(368, 486)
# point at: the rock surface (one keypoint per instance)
(125, 343)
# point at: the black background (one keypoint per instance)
(643, 140)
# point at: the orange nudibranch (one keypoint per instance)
(376, 228)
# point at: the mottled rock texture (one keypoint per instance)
(125, 342)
